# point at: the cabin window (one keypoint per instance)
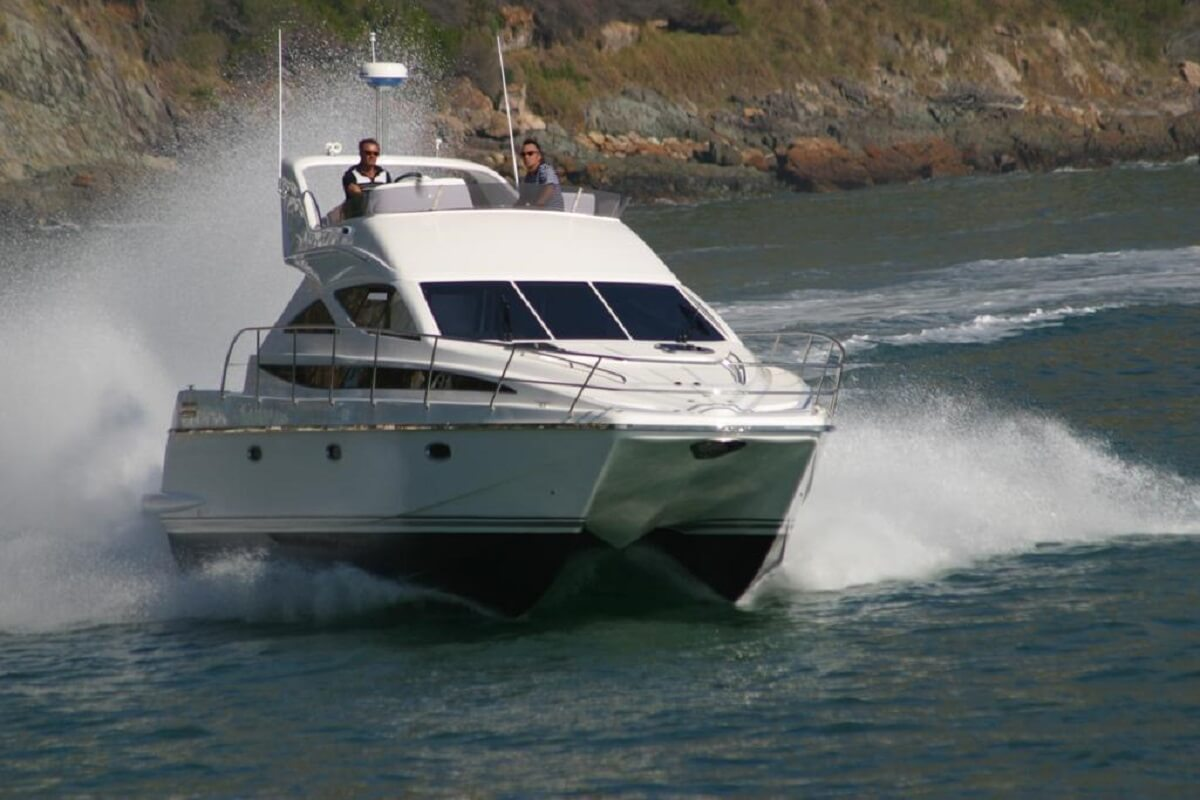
(481, 310)
(376, 307)
(656, 312)
(571, 310)
(326, 376)
(315, 314)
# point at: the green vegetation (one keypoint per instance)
(709, 49)
(1142, 23)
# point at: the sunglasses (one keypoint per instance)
(370, 152)
(527, 153)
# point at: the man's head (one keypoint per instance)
(368, 151)
(531, 154)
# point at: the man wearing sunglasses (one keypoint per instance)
(362, 177)
(541, 188)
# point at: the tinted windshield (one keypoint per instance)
(481, 310)
(570, 309)
(657, 313)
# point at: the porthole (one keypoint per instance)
(437, 451)
(254, 453)
(333, 452)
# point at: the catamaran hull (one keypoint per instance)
(504, 573)
(490, 514)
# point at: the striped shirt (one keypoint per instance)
(544, 175)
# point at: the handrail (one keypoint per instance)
(819, 367)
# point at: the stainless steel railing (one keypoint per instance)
(817, 359)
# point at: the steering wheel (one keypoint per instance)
(416, 175)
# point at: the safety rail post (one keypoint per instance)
(257, 371)
(512, 351)
(228, 358)
(807, 350)
(293, 365)
(228, 355)
(429, 377)
(375, 364)
(332, 362)
(837, 375)
(584, 385)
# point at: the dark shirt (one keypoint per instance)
(357, 206)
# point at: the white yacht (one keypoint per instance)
(466, 394)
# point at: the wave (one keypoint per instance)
(983, 299)
(982, 329)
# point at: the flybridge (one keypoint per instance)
(311, 196)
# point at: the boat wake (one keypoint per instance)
(983, 301)
(915, 485)
(979, 330)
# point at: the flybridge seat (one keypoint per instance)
(419, 194)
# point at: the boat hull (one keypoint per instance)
(491, 514)
(505, 573)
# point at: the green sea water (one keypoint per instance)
(991, 590)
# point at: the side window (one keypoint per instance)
(309, 320)
(376, 307)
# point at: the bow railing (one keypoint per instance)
(786, 371)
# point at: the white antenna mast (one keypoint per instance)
(512, 144)
(280, 32)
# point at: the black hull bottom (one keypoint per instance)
(728, 564)
(507, 573)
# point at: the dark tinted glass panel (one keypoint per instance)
(339, 377)
(314, 314)
(368, 306)
(572, 310)
(481, 310)
(657, 313)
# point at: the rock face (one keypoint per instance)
(1190, 72)
(75, 91)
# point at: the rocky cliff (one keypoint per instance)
(674, 98)
(78, 100)
(838, 96)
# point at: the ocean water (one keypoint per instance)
(991, 590)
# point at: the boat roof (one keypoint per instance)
(509, 244)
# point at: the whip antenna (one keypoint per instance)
(512, 144)
(280, 48)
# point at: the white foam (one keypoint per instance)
(101, 326)
(978, 330)
(921, 483)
